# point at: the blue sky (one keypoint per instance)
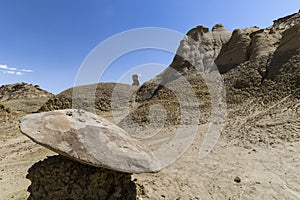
(45, 42)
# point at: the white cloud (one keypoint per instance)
(8, 68)
(8, 72)
(13, 71)
(3, 67)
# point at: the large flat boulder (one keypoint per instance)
(89, 139)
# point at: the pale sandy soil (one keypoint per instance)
(265, 172)
(17, 155)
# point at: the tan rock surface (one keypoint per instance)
(263, 44)
(290, 39)
(236, 50)
(89, 139)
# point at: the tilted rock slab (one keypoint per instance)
(89, 139)
(290, 39)
(235, 51)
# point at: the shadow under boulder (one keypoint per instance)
(60, 178)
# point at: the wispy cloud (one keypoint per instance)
(13, 71)
(26, 70)
(8, 72)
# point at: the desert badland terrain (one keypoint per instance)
(256, 157)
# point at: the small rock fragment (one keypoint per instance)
(237, 179)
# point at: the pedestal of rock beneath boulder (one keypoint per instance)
(60, 178)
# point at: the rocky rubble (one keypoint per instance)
(8, 122)
(21, 90)
(59, 178)
(23, 97)
(287, 22)
(4, 108)
(98, 96)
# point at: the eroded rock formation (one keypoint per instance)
(135, 79)
(23, 97)
(60, 178)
